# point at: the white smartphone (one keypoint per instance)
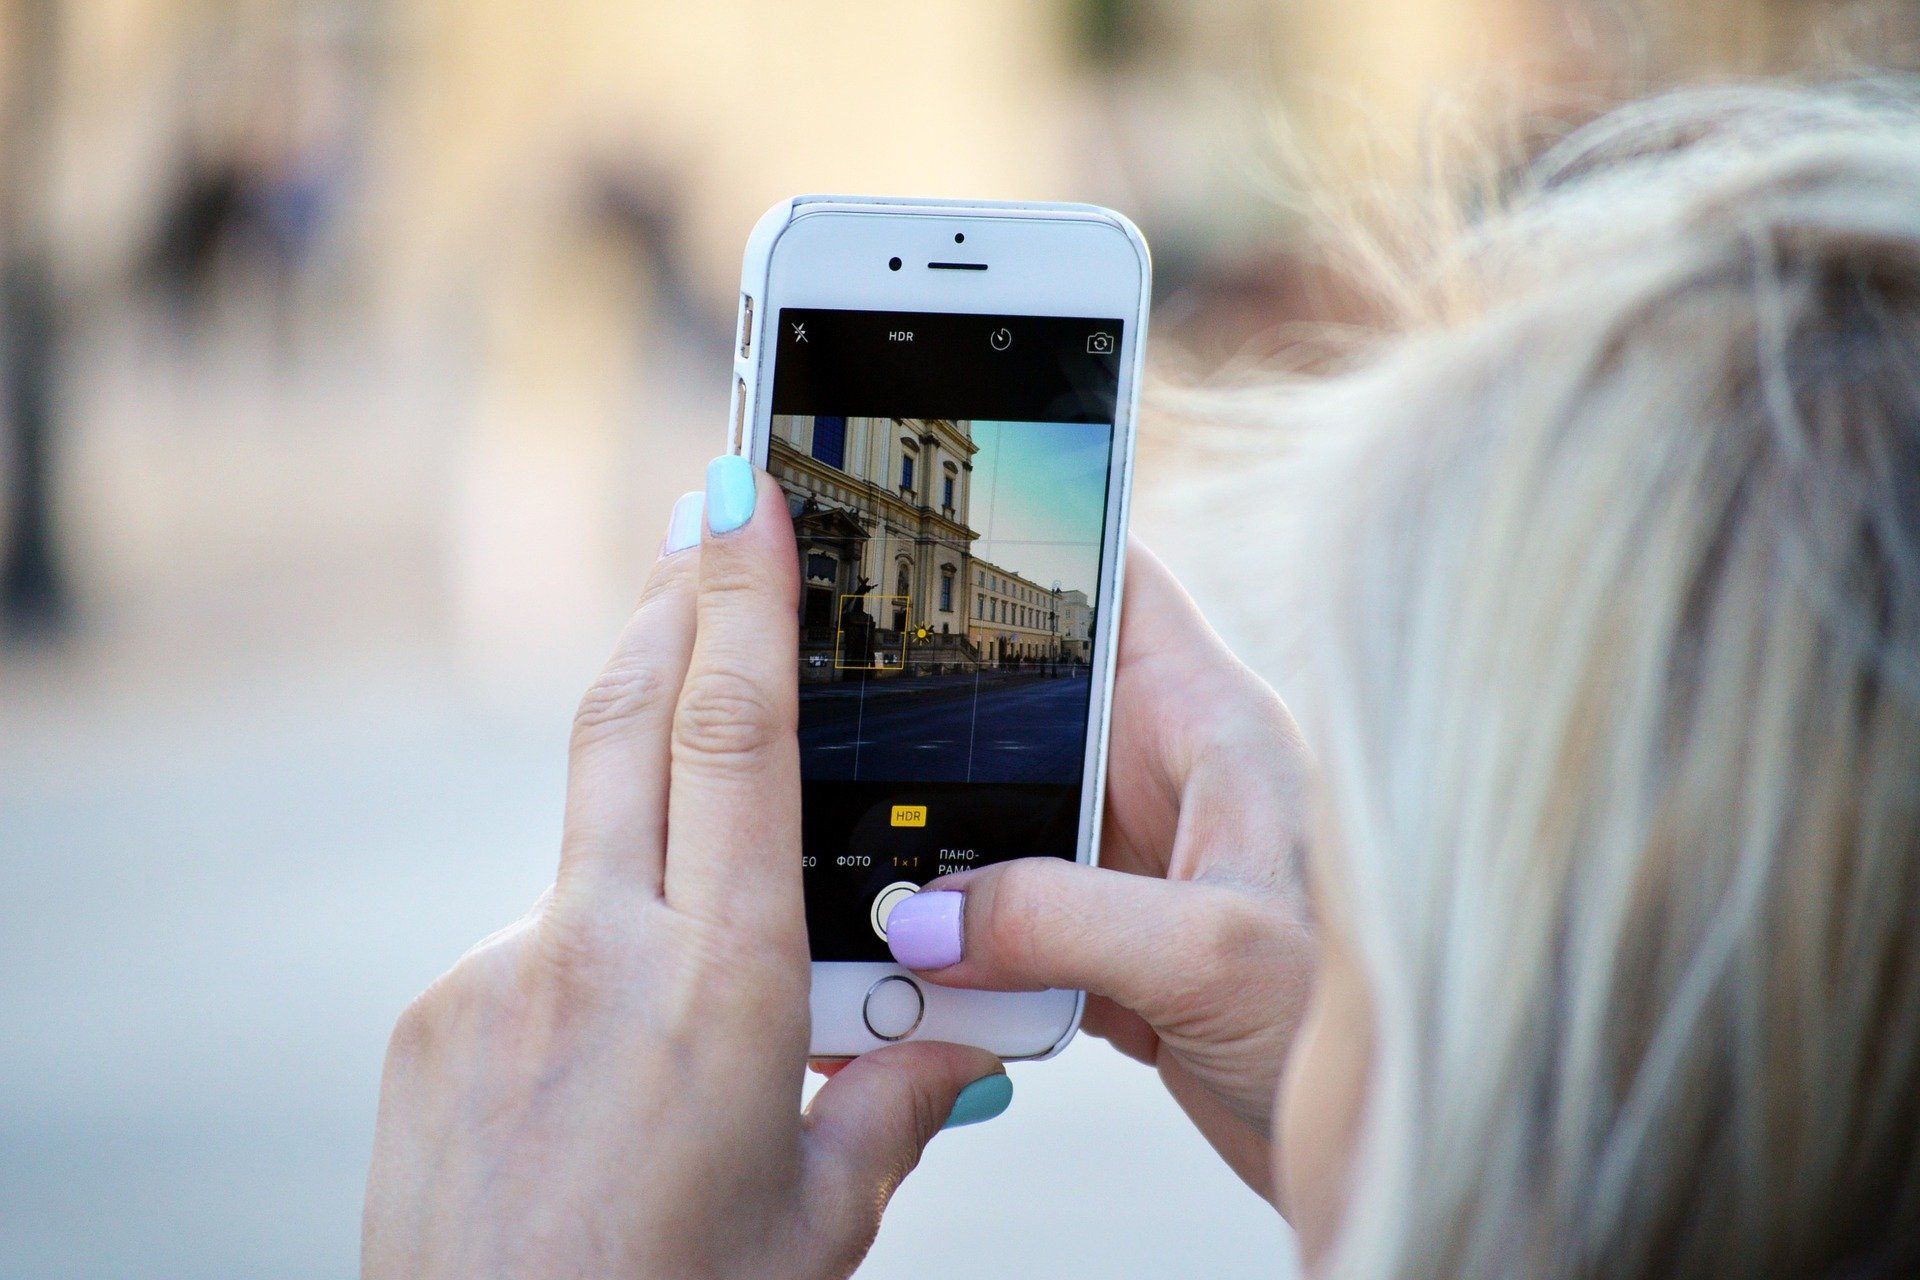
(946, 392)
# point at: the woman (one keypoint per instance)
(1611, 670)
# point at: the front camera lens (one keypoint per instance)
(959, 237)
(893, 264)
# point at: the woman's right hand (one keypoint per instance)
(1192, 939)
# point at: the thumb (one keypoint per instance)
(869, 1123)
(1169, 950)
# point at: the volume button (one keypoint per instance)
(746, 324)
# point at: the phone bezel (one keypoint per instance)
(1042, 260)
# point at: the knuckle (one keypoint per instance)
(574, 951)
(726, 974)
(1235, 746)
(434, 1019)
(926, 1111)
(726, 716)
(571, 974)
(1013, 923)
(582, 949)
(415, 1032)
(670, 579)
(725, 577)
(622, 693)
(542, 971)
(1236, 937)
(737, 578)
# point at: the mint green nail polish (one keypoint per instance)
(730, 492)
(980, 1101)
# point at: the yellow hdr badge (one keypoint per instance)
(909, 815)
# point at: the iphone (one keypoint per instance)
(945, 392)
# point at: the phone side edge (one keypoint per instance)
(756, 268)
(1136, 376)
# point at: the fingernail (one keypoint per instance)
(980, 1101)
(924, 930)
(683, 526)
(730, 492)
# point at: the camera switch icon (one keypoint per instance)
(1099, 344)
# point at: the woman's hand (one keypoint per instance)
(1193, 938)
(611, 1086)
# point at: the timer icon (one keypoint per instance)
(1000, 339)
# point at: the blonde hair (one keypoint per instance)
(1611, 651)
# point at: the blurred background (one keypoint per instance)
(351, 354)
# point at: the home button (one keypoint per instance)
(893, 1007)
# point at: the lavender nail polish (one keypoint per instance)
(924, 932)
(683, 528)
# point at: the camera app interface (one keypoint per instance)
(948, 477)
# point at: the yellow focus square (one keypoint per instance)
(909, 815)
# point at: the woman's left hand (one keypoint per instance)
(611, 1086)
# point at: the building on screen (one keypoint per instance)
(890, 583)
(1014, 620)
(1076, 627)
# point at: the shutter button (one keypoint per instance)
(885, 901)
(893, 1007)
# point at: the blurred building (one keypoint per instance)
(521, 223)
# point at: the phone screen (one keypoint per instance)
(949, 477)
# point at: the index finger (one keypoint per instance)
(733, 809)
